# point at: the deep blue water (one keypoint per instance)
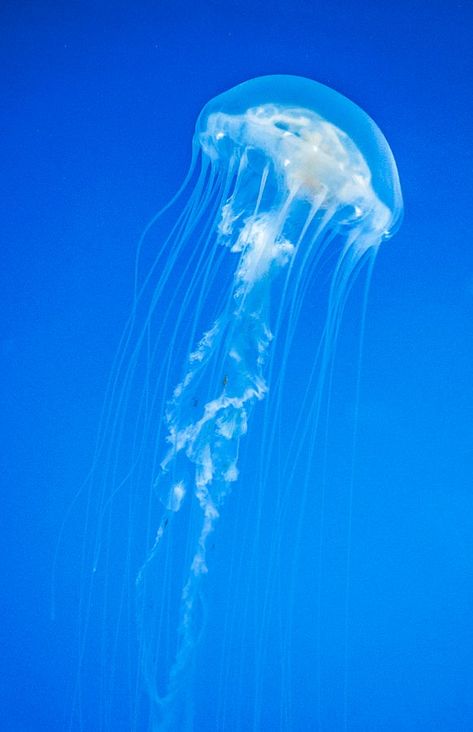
(99, 103)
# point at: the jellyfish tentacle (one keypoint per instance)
(242, 337)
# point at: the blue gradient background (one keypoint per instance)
(98, 107)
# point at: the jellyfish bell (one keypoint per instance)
(316, 140)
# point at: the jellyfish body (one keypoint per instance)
(288, 178)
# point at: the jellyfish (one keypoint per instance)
(290, 192)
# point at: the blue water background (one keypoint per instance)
(98, 107)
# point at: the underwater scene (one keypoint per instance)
(237, 351)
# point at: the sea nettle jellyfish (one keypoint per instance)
(227, 362)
